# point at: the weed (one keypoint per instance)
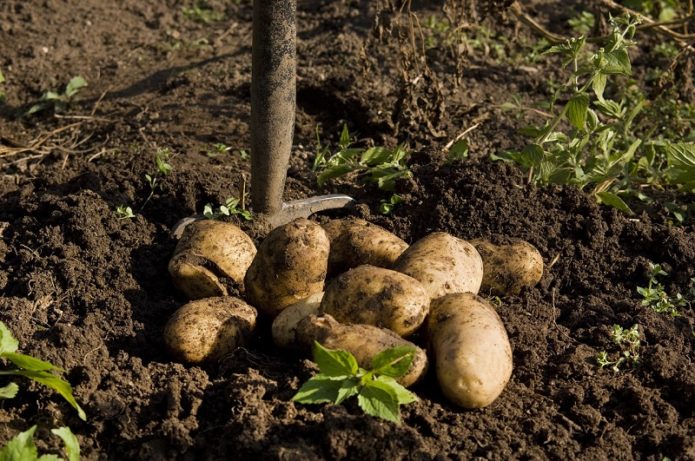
(655, 296)
(164, 168)
(124, 212)
(458, 151)
(203, 13)
(230, 208)
(32, 368)
(22, 447)
(58, 101)
(244, 154)
(378, 393)
(583, 23)
(217, 149)
(628, 341)
(387, 206)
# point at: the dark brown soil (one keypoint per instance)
(91, 293)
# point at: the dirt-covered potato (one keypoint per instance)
(355, 242)
(285, 324)
(211, 258)
(290, 265)
(443, 264)
(377, 296)
(509, 268)
(362, 341)
(471, 349)
(208, 329)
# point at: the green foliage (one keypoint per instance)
(231, 207)
(124, 212)
(58, 101)
(32, 368)
(377, 165)
(655, 296)
(163, 169)
(203, 13)
(458, 151)
(22, 447)
(628, 341)
(339, 378)
(583, 23)
(387, 206)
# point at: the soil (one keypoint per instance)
(90, 292)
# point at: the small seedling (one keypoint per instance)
(458, 151)
(58, 101)
(244, 154)
(124, 212)
(656, 297)
(22, 448)
(339, 378)
(203, 13)
(218, 149)
(387, 206)
(626, 340)
(32, 368)
(230, 208)
(164, 168)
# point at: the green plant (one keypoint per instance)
(230, 208)
(124, 212)
(164, 168)
(339, 378)
(582, 23)
(387, 206)
(58, 101)
(655, 296)
(203, 13)
(32, 368)
(628, 341)
(218, 149)
(22, 447)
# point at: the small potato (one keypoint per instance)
(509, 268)
(443, 264)
(211, 258)
(355, 242)
(362, 341)
(379, 297)
(208, 329)
(471, 349)
(290, 265)
(285, 324)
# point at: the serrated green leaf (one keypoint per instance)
(612, 200)
(28, 362)
(334, 362)
(617, 62)
(21, 447)
(533, 155)
(57, 384)
(72, 445)
(9, 391)
(319, 389)
(577, 107)
(74, 85)
(8, 343)
(394, 362)
(347, 389)
(403, 395)
(379, 399)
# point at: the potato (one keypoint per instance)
(443, 264)
(355, 242)
(362, 341)
(211, 258)
(285, 324)
(471, 350)
(290, 265)
(208, 329)
(509, 268)
(379, 297)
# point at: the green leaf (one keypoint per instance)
(347, 389)
(577, 107)
(2, 77)
(334, 171)
(394, 362)
(319, 389)
(56, 383)
(375, 156)
(74, 85)
(458, 151)
(380, 400)
(28, 362)
(9, 391)
(533, 155)
(612, 200)
(598, 84)
(21, 447)
(334, 363)
(403, 395)
(344, 141)
(617, 62)
(49, 458)
(72, 445)
(8, 343)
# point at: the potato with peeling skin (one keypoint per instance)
(285, 324)
(362, 341)
(355, 242)
(210, 255)
(379, 297)
(443, 264)
(507, 269)
(290, 265)
(471, 349)
(207, 329)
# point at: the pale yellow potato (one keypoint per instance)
(472, 354)
(355, 242)
(285, 324)
(290, 265)
(507, 269)
(207, 329)
(377, 296)
(210, 255)
(443, 264)
(364, 342)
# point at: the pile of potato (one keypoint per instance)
(379, 291)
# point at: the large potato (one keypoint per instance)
(443, 264)
(290, 265)
(509, 268)
(208, 329)
(211, 257)
(285, 324)
(471, 349)
(377, 296)
(362, 341)
(355, 242)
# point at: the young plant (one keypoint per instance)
(32, 368)
(387, 206)
(164, 168)
(124, 212)
(230, 208)
(203, 13)
(22, 447)
(339, 378)
(628, 340)
(58, 101)
(655, 296)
